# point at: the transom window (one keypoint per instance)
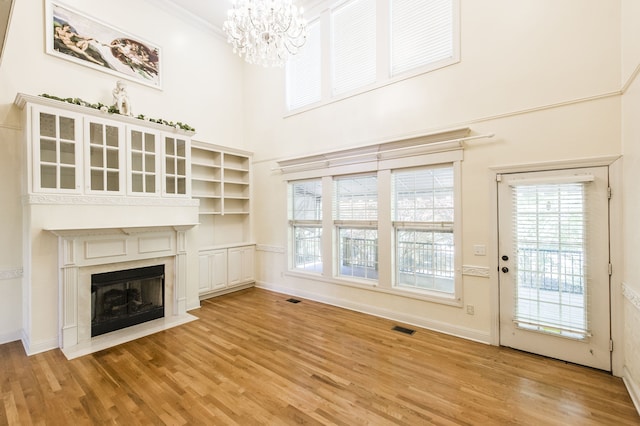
(356, 45)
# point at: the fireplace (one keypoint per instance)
(131, 280)
(123, 298)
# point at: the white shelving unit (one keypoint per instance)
(221, 180)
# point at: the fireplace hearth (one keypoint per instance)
(120, 299)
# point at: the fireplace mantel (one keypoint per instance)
(114, 230)
(83, 251)
(101, 192)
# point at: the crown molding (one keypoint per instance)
(190, 18)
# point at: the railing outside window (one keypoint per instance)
(549, 269)
(426, 259)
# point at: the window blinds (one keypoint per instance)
(551, 288)
(423, 195)
(306, 200)
(356, 198)
(353, 45)
(421, 33)
(304, 71)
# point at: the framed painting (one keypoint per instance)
(85, 40)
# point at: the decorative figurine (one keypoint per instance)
(121, 99)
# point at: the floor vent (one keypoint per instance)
(403, 330)
(293, 300)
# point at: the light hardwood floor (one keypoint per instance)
(254, 358)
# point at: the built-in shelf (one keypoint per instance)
(221, 181)
(219, 174)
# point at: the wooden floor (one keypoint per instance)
(254, 358)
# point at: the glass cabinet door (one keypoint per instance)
(57, 151)
(105, 158)
(175, 171)
(144, 154)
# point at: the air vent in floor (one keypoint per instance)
(403, 330)
(293, 300)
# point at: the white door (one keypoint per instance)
(554, 264)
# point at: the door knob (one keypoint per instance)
(505, 269)
(505, 257)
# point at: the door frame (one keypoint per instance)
(614, 163)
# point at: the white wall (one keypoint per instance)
(202, 86)
(631, 150)
(544, 76)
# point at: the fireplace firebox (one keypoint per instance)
(124, 298)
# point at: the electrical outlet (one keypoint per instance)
(470, 310)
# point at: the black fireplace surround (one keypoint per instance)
(124, 298)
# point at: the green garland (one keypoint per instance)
(113, 110)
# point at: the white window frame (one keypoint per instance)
(292, 71)
(454, 228)
(379, 159)
(295, 223)
(366, 224)
(321, 12)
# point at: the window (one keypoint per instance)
(305, 215)
(421, 33)
(355, 218)
(423, 217)
(390, 227)
(358, 45)
(304, 71)
(353, 45)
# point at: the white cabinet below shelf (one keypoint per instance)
(240, 265)
(225, 269)
(212, 271)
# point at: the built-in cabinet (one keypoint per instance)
(220, 179)
(78, 154)
(240, 265)
(224, 269)
(78, 150)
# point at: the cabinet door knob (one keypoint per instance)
(505, 257)
(505, 269)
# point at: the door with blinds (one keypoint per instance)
(554, 264)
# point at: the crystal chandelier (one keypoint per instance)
(265, 32)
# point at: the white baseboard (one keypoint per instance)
(9, 337)
(632, 387)
(441, 327)
(32, 348)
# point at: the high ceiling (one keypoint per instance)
(213, 12)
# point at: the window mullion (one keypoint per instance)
(385, 231)
(328, 232)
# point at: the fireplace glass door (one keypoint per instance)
(124, 298)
